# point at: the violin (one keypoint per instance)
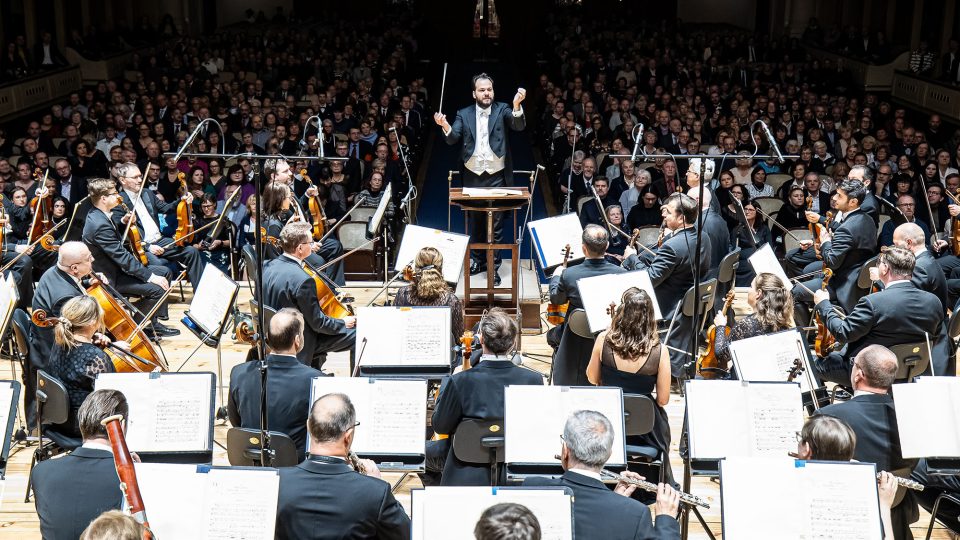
(134, 237)
(184, 214)
(122, 327)
(42, 208)
(3, 222)
(824, 342)
(954, 226)
(663, 234)
(408, 273)
(814, 230)
(316, 210)
(127, 472)
(708, 365)
(795, 370)
(557, 314)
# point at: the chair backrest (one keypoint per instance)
(250, 261)
(727, 270)
(912, 359)
(649, 234)
(769, 205)
(578, 324)
(953, 328)
(708, 293)
(883, 219)
(268, 313)
(863, 279)
(475, 440)
(52, 399)
(777, 180)
(21, 332)
(639, 413)
(362, 214)
(352, 234)
(243, 448)
(789, 242)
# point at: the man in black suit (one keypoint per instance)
(159, 248)
(597, 511)
(286, 284)
(869, 206)
(288, 383)
(411, 118)
(125, 272)
(898, 314)
(594, 210)
(324, 497)
(872, 415)
(485, 154)
(22, 269)
(844, 250)
(672, 272)
(72, 491)
(714, 228)
(358, 148)
(573, 351)
(477, 393)
(72, 187)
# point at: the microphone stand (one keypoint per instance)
(404, 204)
(566, 202)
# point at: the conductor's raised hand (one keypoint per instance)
(518, 99)
(441, 120)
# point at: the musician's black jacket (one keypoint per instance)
(671, 271)
(854, 241)
(72, 491)
(53, 290)
(564, 286)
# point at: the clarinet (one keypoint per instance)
(127, 473)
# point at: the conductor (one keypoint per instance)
(486, 152)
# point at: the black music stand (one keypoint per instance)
(243, 449)
(8, 428)
(481, 441)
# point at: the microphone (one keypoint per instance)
(773, 142)
(636, 142)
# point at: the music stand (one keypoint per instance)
(11, 412)
(243, 448)
(481, 441)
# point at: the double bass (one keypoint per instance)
(557, 314)
(708, 365)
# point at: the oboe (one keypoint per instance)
(906, 483)
(685, 498)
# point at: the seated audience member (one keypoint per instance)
(288, 383)
(324, 498)
(71, 491)
(113, 525)
(507, 521)
(599, 512)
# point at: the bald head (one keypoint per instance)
(875, 369)
(285, 335)
(75, 259)
(910, 236)
(332, 418)
(595, 239)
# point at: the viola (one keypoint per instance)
(954, 226)
(814, 230)
(708, 365)
(122, 327)
(42, 208)
(557, 314)
(134, 237)
(825, 341)
(315, 207)
(184, 214)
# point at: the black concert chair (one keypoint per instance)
(20, 326)
(53, 408)
(948, 519)
(572, 354)
(639, 415)
(727, 273)
(243, 448)
(578, 324)
(912, 359)
(953, 327)
(481, 442)
(864, 283)
(249, 256)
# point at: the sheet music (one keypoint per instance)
(391, 413)
(535, 416)
(452, 246)
(598, 291)
(212, 299)
(190, 501)
(9, 295)
(373, 226)
(755, 419)
(452, 512)
(169, 413)
(551, 235)
(490, 192)
(923, 434)
(799, 500)
(769, 358)
(764, 260)
(403, 336)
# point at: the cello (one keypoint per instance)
(123, 328)
(708, 365)
(315, 207)
(184, 214)
(557, 314)
(42, 207)
(117, 354)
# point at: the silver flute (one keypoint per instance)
(685, 498)
(906, 483)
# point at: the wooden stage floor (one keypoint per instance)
(19, 520)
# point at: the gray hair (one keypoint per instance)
(878, 364)
(125, 170)
(862, 172)
(579, 154)
(644, 172)
(331, 416)
(589, 437)
(697, 164)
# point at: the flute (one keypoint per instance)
(685, 498)
(906, 482)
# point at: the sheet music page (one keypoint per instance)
(923, 434)
(490, 192)
(174, 498)
(775, 415)
(841, 500)
(403, 336)
(9, 295)
(241, 504)
(373, 226)
(391, 413)
(212, 298)
(533, 436)
(169, 413)
(452, 512)
(715, 412)
(764, 260)
(417, 498)
(760, 498)
(598, 292)
(769, 358)
(553, 509)
(452, 246)
(551, 235)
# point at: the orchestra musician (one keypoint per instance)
(288, 383)
(507, 521)
(71, 491)
(671, 271)
(286, 284)
(22, 269)
(869, 205)
(749, 236)
(900, 313)
(429, 289)
(159, 248)
(128, 275)
(573, 351)
(477, 393)
(714, 228)
(113, 525)
(871, 413)
(599, 512)
(772, 306)
(323, 497)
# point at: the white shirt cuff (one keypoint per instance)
(518, 114)
(447, 131)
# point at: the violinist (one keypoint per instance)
(218, 249)
(124, 271)
(158, 247)
(22, 269)
(286, 284)
(772, 306)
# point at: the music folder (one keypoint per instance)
(403, 341)
(925, 435)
